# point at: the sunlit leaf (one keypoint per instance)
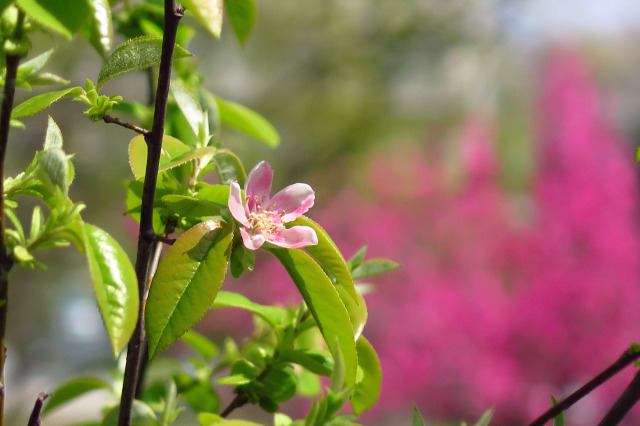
(242, 14)
(172, 148)
(115, 283)
(271, 314)
(191, 207)
(207, 12)
(186, 283)
(229, 167)
(38, 103)
(368, 389)
(98, 28)
(324, 303)
(135, 54)
(53, 139)
(247, 121)
(36, 11)
(188, 106)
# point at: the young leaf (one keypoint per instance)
(373, 267)
(44, 17)
(207, 12)
(368, 389)
(327, 254)
(559, 420)
(115, 283)
(357, 258)
(271, 314)
(98, 28)
(53, 139)
(324, 303)
(417, 419)
(242, 14)
(135, 54)
(247, 121)
(72, 389)
(229, 167)
(40, 102)
(186, 283)
(191, 207)
(56, 167)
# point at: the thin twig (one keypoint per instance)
(237, 402)
(34, 419)
(625, 359)
(115, 120)
(146, 236)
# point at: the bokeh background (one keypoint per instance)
(487, 146)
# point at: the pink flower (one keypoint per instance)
(263, 217)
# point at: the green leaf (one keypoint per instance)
(53, 139)
(205, 347)
(56, 166)
(98, 28)
(559, 420)
(218, 194)
(172, 148)
(208, 419)
(327, 254)
(324, 303)
(271, 314)
(142, 415)
(242, 14)
(357, 309)
(135, 54)
(72, 389)
(40, 102)
(186, 157)
(368, 389)
(115, 283)
(417, 419)
(229, 167)
(190, 207)
(357, 258)
(373, 267)
(234, 380)
(44, 17)
(207, 12)
(189, 107)
(247, 121)
(186, 283)
(317, 362)
(35, 64)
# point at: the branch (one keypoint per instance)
(146, 236)
(623, 404)
(625, 359)
(237, 402)
(115, 120)
(34, 419)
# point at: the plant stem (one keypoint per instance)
(237, 402)
(625, 359)
(623, 404)
(146, 236)
(34, 419)
(116, 120)
(6, 261)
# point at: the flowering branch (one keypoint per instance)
(625, 359)
(146, 236)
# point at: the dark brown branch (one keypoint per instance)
(625, 359)
(237, 402)
(623, 404)
(115, 120)
(146, 236)
(34, 419)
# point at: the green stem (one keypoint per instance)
(146, 236)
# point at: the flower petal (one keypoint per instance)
(258, 185)
(252, 242)
(236, 206)
(294, 237)
(294, 200)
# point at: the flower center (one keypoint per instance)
(263, 221)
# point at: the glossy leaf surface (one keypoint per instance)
(186, 283)
(325, 305)
(36, 11)
(207, 12)
(135, 54)
(271, 314)
(115, 283)
(368, 389)
(373, 267)
(98, 27)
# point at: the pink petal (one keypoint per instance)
(295, 237)
(295, 200)
(258, 184)
(252, 242)
(236, 206)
